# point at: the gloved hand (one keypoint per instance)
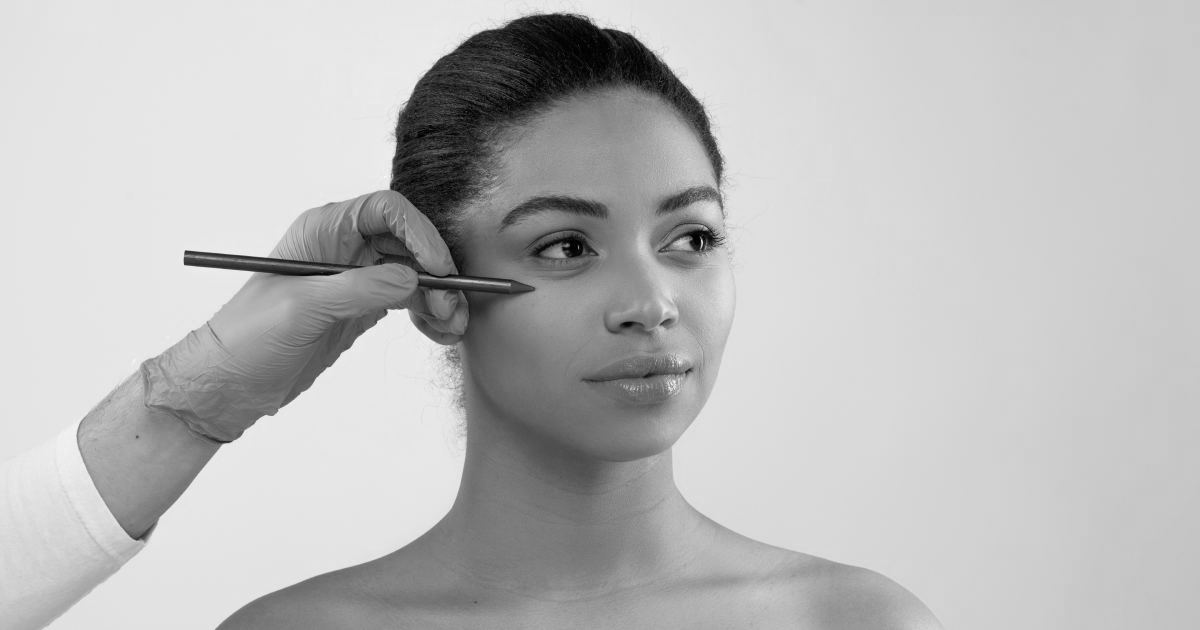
(278, 333)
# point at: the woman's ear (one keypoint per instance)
(433, 330)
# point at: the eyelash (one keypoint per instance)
(715, 239)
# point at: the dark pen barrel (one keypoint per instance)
(264, 265)
(305, 268)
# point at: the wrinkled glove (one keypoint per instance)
(278, 333)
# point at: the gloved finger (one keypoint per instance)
(407, 261)
(388, 245)
(458, 320)
(387, 211)
(454, 322)
(323, 234)
(442, 302)
(339, 339)
(435, 333)
(361, 292)
(437, 303)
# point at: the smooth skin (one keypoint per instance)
(568, 514)
(141, 460)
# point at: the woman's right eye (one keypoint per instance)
(562, 249)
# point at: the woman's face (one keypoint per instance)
(616, 208)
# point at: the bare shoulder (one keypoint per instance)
(329, 601)
(845, 597)
(819, 593)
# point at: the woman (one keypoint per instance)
(570, 158)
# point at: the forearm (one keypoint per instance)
(140, 459)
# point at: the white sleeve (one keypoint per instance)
(58, 539)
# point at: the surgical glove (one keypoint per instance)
(278, 333)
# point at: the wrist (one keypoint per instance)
(139, 459)
(195, 383)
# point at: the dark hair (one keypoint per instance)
(453, 127)
(461, 113)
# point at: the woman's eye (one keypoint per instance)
(563, 249)
(700, 241)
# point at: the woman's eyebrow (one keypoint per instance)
(590, 208)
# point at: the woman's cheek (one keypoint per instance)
(711, 297)
(532, 325)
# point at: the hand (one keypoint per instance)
(278, 333)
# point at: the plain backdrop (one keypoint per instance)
(966, 352)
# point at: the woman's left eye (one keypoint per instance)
(700, 241)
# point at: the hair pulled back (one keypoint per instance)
(452, 129)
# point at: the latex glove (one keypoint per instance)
(278, 333)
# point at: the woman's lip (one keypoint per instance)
(642, 366)
(649, 390)
(635, 377)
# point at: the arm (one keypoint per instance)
(140, 459)
(143, 448)
(72, 509)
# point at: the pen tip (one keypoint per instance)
(518, 287)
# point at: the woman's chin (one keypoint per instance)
(627, 437)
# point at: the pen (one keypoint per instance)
(304, 268)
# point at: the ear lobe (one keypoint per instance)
(423, 325)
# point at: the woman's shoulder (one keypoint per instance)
(346, 598)
(309, 604)
(822, 593)
(847, 596)
(833, 596)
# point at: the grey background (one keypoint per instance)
(966, 351)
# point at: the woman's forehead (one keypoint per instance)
(618, 148)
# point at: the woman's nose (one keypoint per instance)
(641, 301)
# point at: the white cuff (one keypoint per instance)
(58, 539)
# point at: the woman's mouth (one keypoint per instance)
(645, 390)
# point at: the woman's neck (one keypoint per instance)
(533, 519)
